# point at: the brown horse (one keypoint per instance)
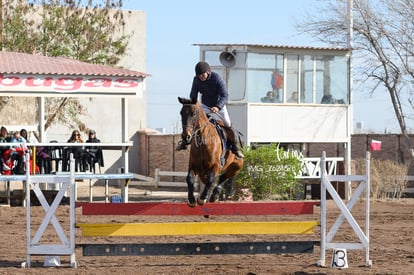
(209, 157)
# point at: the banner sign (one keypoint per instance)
(58, 85)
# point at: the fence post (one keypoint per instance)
(323, 210)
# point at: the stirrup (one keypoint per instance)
(238, 153)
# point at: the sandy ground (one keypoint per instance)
(391, 243)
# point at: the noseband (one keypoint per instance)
(195, 129)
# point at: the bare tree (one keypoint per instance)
(383, 32)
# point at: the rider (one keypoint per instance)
(213, 100)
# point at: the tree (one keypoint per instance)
(383, 42)
(76, 29)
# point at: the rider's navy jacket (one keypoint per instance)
(213, 90)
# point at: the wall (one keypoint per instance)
(158, 151)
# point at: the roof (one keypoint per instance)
(23, 63)
(278, 47)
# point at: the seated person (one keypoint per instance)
(92, 154)
(293, 98)
(43, 159)
(328, 99)
(269, 98)
(17, 138)
(23, 133)
(4, 138)
(76, 151)
(16, 153)
(31, 137)
(4, 134)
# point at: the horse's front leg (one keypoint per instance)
(190, 189)
(209, 181)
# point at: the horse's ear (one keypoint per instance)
(181, 100)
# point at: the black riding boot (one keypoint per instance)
(232, 140)
(181, 146)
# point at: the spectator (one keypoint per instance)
(23, 133)
(76, 151)
(4, 135)
(293, 98)
(17, 138)
(43, 159)
(269, 98)
(327, 99)
(14, 157)
(93, 154)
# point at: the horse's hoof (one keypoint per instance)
(215, 197)
(201, 201)
(191, 204)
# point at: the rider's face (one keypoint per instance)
(203, 76)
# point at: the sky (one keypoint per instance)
(174, 26)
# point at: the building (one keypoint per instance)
(318, 77)
(103, 113)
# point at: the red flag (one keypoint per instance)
(375, 145)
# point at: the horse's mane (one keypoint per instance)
(202, 115)
(187, 101)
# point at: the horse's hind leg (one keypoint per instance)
(190, 189)
(209, 181)
(224, 184)
(215, 195)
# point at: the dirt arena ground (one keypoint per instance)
(391, 247)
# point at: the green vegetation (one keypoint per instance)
(269, 172)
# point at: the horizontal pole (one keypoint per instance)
(64, 176)
(196, 228)
(217, 208)
(71, 144)
(173, 173)
(155, 249)
(349, 246)
(50, 249)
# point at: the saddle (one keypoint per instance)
(230, 138)
(219, 125)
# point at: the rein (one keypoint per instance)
(197, 130)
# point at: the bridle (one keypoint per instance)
(195, 129)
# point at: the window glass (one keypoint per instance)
(307, 76)
(339, 79)
(292, 77)
(265, 78)
(261, 61)
(212, 58)
(236, 87)
(334, 80)
(262, 77)
(319, 78)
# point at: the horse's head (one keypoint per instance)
(190, 112)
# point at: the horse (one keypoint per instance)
(209, 158)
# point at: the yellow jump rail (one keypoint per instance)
(197, 228)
